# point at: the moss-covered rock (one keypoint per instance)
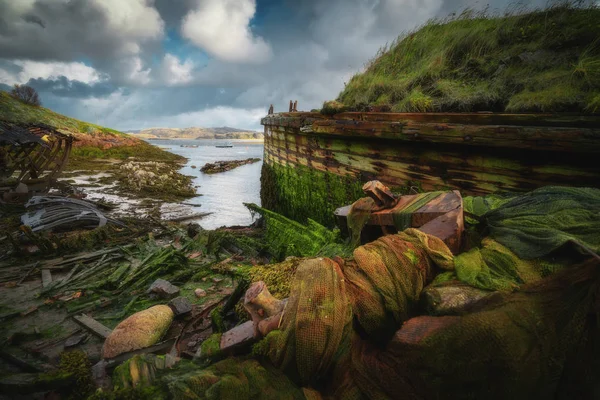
(140, 330)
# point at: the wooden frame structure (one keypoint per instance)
(32, 156)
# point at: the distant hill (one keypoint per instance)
(92, 141)
(196, 133)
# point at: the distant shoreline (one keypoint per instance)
(224, 139)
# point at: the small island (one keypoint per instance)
(223, 166)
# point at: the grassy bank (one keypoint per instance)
(542, 61)
(94, 144)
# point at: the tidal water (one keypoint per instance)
(222, 194)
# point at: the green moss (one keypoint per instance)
(301, 193)
(210, 349)
(333, 107)
(277, 277)
(77, 364)
(216, 318)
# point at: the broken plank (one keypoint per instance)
(92, 325)
(46, 278)
(29, 271)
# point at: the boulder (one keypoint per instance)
(140, 330)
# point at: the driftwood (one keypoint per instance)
(381, 194)
(92, 325)
(260, 304)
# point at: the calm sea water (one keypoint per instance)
(224, 193)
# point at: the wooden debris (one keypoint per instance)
(46, 278)
(22, 384)
(74, 340)
(92, 325)
(381, 194)
(259, 302)
(449, 227)
(23, 365)
(29, 271)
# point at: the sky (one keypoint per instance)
(136, 64)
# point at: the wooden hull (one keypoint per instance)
(474, 153)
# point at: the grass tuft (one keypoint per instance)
(522, 61)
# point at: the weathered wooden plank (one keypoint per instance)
(46, 278)
(535, 138)
(482, 118)
(92, 325)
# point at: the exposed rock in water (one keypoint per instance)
(140, 330)
(222, 166)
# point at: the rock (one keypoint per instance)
(164, 289)
(140, 330)
(100, 375)
(217, 280)
(74, 341)
(200, 292)
(240, 337)
(451, 298)
(180, 306)
(193, 229)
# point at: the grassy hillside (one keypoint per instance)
(542, 61)
(93, 142)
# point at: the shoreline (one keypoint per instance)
(202, 139)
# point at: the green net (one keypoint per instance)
(537, 223)
(403, 216)
(233, 379)
(494, 267)
(536, 343)
(358, 216)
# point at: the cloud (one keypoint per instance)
(63, 87)
(222, 28)
(113, 34)
(175, 72)
(210, 117)
(74, 71)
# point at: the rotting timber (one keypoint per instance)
(32, 157)
(315, 163)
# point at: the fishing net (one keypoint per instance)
(351, 328)
(233, 379)
(537, 223)
(494, 267)
(537, 343)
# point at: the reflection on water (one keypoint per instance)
(224, 193)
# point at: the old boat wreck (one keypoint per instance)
(32, 156)
(315, 163)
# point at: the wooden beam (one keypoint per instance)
(92, 325)
(46, 278)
